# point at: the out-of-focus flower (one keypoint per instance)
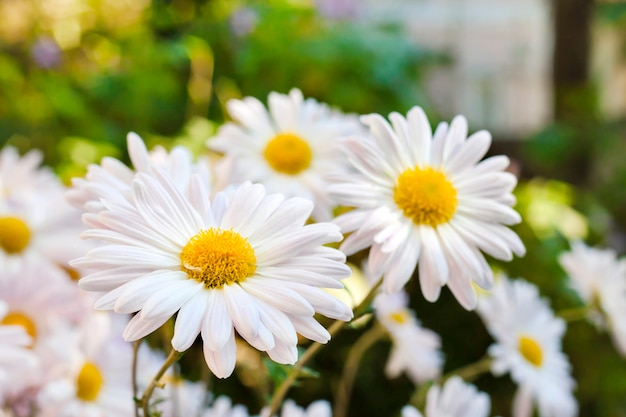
(291, 147)
(95, 378)
(46, 53)
(528, 346)
(337, 9)
(455, 399)
(319, 408)
(111, 180)
(245, 262)
(36, 223)
(223, 407)
(243, 21)
(415, 349)
(599, 277)
(426, 199)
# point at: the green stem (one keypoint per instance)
(314, 348)
(468, 373)
(145, 399)
(351, 366)
(136, 345)
(574, 314)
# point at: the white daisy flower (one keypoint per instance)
(15, 356)
(599, 277)
(111, 180)
(426, 199)
(415, 350)
(319, 408)
(223, 407)
(528, 346)
(455, 399)
(291, 147)
(246, 263)
(95, 379)
(36, 223)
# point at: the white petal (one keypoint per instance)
(189, 321)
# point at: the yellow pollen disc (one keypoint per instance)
(400, 317)
(89, 382)
(19, 319)
(288, 153)
(218, 257)
(14, 234)
(530, 350)
(425, 196)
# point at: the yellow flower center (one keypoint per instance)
(288, 153)
(400, 317)
(14, 234)
(425, 196)
(530, 350)
(89, 382)
(218, 257)
(19, 319)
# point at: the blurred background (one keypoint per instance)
(547, 78)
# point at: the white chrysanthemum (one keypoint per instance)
(36, 223)
(415, 349)
(319, 408)
(111, 180)
(95, 378)
(245, 263)
(455, 399)
(223, 407)
(528, 346)
(291, 147)
(15, 355)
(426, 199)
(600, 277)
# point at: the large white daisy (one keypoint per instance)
(424, 198)
(599, 277)
(245, 262)
(455, 399)
(415, 350)
(291, 147)
(528, 346)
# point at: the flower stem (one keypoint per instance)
(145, 399)
(367, 340)
(574, 314)
(468, 373)
(136, 345)
(313, 349)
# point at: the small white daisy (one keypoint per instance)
(455, 399)
(415, 350)
(319, 408)
(599, 277)
(111, 180)
(36, 223)
(528, 346)
(291, 147)
(246, 263)
(423, 198)
(223, 407)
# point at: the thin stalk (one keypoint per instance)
(136, 345)
(351, 367)
(314, 348)
(145, 399)
(574, 314)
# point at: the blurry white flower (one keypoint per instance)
(600, 278)
(455, 399)
(95, 378)
(319, 408)
(245, 262)
(423, 198)
(291, 147)
(528, 346)
(222, 407)
(36, 223)
(111, 180)
(415, 349)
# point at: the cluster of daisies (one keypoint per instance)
(248, 246)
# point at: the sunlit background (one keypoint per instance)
(547, 78)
